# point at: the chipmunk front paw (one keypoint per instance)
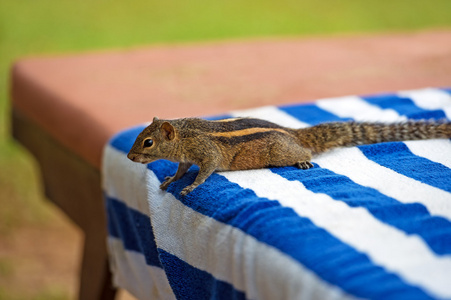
(187, 190)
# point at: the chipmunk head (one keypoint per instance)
(154, 142)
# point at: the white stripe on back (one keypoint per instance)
(272, 114)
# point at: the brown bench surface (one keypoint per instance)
(82, 100)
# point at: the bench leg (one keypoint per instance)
(95, 275)
(75, 187)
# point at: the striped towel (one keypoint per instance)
(366, 222)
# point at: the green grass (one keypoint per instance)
(46, 293)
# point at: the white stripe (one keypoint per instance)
(272, 114)
(123, 178)
(352, 163)
(430, 99)
(229, 254)
(393, 249)
(438, 151)
(131, 272)
(358, 109)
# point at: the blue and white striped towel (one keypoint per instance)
(366, 222)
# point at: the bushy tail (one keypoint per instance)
(323, 137)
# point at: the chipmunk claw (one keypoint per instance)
(304, 165)
(166, 183)
(186, 190)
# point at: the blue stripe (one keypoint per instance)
(188, 282)
(133, 228)
(412, 218)
(399, 158)
(124, 141)
(283, 229)
(112, 222)
(403, 106)
(218, 117)
(447, 90)
(311, 114)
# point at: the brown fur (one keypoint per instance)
(241, 143)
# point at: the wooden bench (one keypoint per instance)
(65, 108)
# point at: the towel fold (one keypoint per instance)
(372, 221)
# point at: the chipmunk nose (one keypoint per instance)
(132, 156)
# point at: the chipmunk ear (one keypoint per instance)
(155, 119)
(167, 130)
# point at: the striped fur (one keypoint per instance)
(246, 143)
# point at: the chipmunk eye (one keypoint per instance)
(148, 143)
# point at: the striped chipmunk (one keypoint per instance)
(246, 143)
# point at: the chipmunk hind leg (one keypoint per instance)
(292, 155)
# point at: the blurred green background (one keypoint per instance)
(34, 27)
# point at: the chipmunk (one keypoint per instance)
(246, 143)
